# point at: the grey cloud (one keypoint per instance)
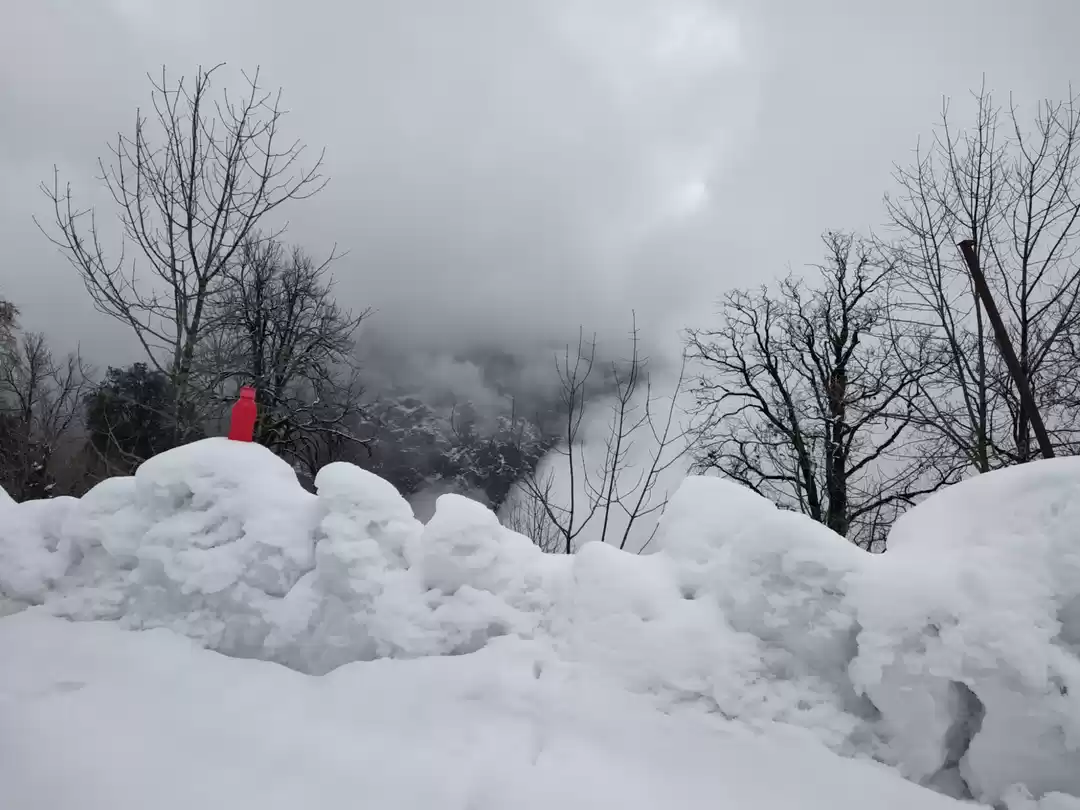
(504, 171)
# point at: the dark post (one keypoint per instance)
(1027, 400)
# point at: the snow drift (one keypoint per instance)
(98, 719)
(970, 639)
(955, 657)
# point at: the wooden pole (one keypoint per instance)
(1027, 400)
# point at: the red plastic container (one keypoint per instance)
(244, 413)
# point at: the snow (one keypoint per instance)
(980, 587)
(753, 642)
(100, 719)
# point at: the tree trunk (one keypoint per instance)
(1016, 371)
(835, 463)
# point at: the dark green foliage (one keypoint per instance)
(132, 416)
(25, 470)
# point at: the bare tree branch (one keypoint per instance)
(40, 398)
(1012, 187)
(190, 184)
(276, 326)
(616, 487)
(808, 395)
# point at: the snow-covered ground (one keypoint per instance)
(755, 660)
(95, 717)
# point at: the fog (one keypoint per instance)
(503, 173)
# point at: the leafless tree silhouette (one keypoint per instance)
(191, 184)
(1011, 185)
(40, 398)
(807, 396)
(276, 326)
(621, 489)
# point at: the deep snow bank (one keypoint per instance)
(971, 631)
(954, 656)
(217, 541)
(98, 719)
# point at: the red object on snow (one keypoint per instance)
(242, 424)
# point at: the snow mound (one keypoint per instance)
(99, 719)
(204, 539)
(35, 553)
(774, 574)
(955, 657)
(742, 604)
(217, 541)
(970, 632)
(384, 585)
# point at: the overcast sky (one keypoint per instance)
(503, 170)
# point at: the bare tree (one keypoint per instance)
(39, 407)
(614, 489)
(276, 326)
(565, 518)
(808, 395)
(188, 197)
(1013, 188)
(527, 514)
